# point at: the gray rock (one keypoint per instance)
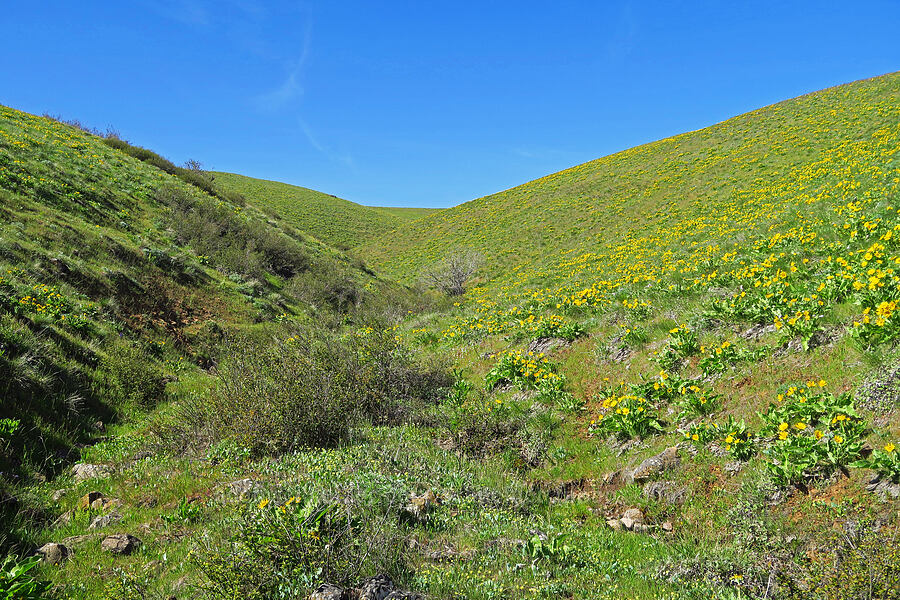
(627, 523)
(885, 489)
(667, 492)
(328, 591)
(378, 587)
(58, 494)
(105, 521)
(83, 471)
(53, 553)
(733, 467)
(614, 524)
(667, 526)
(64, 519)
(120, 543)
(641, 528)
(666, 460)
(241, 488)
(420, 506)
(398, 595)
(546, 345)
(77, 540)
(636, 515)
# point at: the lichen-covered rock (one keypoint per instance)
(86, 501)
(665, 491)
(120, 543)
(53, 553)
(378, 587)
(105, 521)
(666, 460)
(83, 471)
(328, 591)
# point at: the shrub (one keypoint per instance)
(311, 389)
(284, 550)
(885, 461)
(18, 583)
(450, 275)
(128, 376)
(627, 416)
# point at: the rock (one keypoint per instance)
(733, 467)
(419, 506)
(545, 345)
(885, 489)
(378, 587)
(641, 528)
(328, 591)
(614, 524)
(105, 520)
(120, 543)
(611, 478)
(241, 488)
(635, 514)
(77, 540)
(665, 491)
(84, 471)
(86, 501)
(664, 461)
(667, 526)
(53, 553)
(757, 331)
(105, 503)
(398, 595)
(58, 494)
(627, 523)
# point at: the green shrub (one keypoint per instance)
(18, 583)
(285, 549)
(128, 376)
(310, 389)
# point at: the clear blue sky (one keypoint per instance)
(424, 103)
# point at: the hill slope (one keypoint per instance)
(678, 195)
(338, 222)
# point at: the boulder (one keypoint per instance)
(120, 543)
(615, 524)
(884, 488)
(328, 591)
(87, 501)
(665, 491)
(378, 587)
(664, 461)
(83, 471)
(105, 520)
(53, 553)
(419, 506)
(635, 514)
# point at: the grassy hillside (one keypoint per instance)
(118, 275)
(335, 221)
(677, 196)
(673, 376)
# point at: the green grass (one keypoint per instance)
(736, 232)
(335, 221)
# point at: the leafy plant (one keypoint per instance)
(17, 582)
(627, 417)
(739, 441)
(682, 344)
(885, 461)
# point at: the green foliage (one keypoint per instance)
(682, 344)
(626, 417)
(309, 389)
(527, 370)
(718, 359)
(285, 550)
(18, 582)
(703, 433)
(739, 441)
(128, 376)
(333, 220)
(885, 461)
(812, 432)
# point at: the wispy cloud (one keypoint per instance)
(329, 153)
(291, 87)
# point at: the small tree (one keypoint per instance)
(451, 274)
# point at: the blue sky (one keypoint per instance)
(424, 103)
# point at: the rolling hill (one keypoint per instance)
(335, 221)
(674, 198)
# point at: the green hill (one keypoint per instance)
(671, 198)
(338, 222)
(673, 374)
